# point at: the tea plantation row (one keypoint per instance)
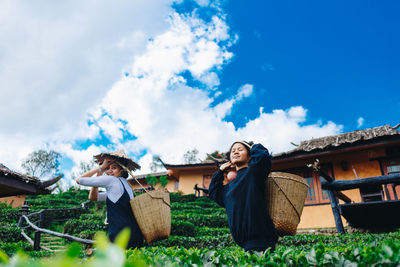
(199, 236)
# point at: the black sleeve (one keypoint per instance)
(260, 160)
(216, 189)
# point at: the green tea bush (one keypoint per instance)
(211, 231)
(182, 228)
(8, 214)
(75, 226)
(211, 242)
(205, 211)
(307, 241)
(200, 236)
(93, 217)
(181, 198)
(88, 234)
(107, 254)
(9, 232)
(203, 220)
(11, 247)
(69, 199)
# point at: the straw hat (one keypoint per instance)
(120, 157)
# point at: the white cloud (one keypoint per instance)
(169, 117)
(360, 122)
(210, 79)
(245, 91)
(277, 129)
(202, 2)
(112, 129)
(59, 61)
(154, 103)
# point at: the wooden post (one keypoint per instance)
(334, 205)
(336, 212)
(196, 191)
(36, 244)
(24, 210)
(325, 178)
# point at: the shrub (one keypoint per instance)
(93, 217)
(211, 231)
(182, 228)
(201, 211)
(76, 226)
(8, 214)
(12, 247)
(9, 232)
(203, 220)
(210, 242)
(182, 198)
(87, 234)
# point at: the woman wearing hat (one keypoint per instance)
(243, 197)
(112, 176)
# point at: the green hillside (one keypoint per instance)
(199, 236)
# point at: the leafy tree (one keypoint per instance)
(156, 164)
(153, 180)
(84, 167)
(191, 156)
(87, 166)
(41, 163)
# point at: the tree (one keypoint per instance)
(87, 166)
(84, 166)
(156, 164)
(191, 156)
(41, 163)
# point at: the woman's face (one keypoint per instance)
(114, 170)
(239, 154)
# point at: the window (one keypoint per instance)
(176, 185)
(315, 195)
(392, 166)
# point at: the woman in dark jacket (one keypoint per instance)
(243, 198)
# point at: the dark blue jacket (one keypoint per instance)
(243, 198)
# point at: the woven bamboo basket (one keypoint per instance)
(152, 212)
(285, 194)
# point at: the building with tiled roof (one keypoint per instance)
(353, 155)
(15, 186)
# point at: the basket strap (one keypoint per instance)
(153, 197)
(291, 203)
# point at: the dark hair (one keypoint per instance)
(247, 145)
(124, 174)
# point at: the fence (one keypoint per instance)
(38, 225)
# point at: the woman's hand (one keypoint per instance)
(106, 162)
(225, 166)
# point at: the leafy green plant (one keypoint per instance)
(9, 232)
(200, 236)
(8, 214)
(153, 180)
(182, 228)
(75, 226)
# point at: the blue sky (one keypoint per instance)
(340, 59)
(163, 77)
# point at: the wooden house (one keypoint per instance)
(15, 186)
(353, 155)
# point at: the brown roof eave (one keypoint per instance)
(301, 155)
(26, 188)
(190, 166)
